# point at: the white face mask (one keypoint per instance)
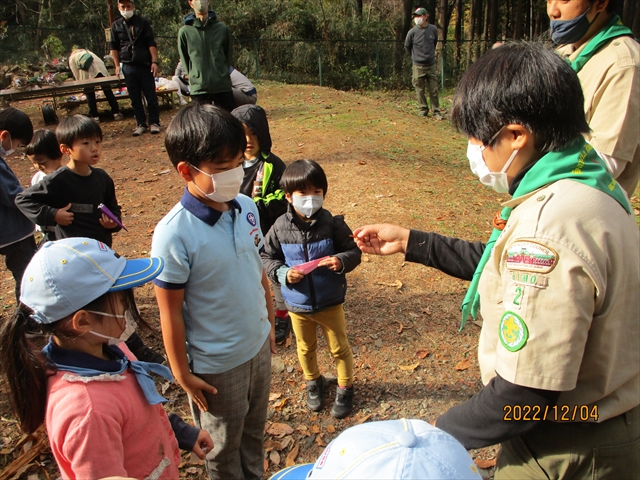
(127, 14)
(307, 205)
(496, 180)
(226, 185)
(5, 153)
(201, 6)
(419, 21)
(130, 326)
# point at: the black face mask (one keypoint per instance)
(570, 31)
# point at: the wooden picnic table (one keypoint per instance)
(69, 87)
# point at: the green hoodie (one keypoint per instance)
(205, 51)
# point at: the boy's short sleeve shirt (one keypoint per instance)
(214, 256)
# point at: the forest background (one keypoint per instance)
(346, 44)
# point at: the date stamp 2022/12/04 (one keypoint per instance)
(556, 413)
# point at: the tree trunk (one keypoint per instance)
(359, 9)
(401, 35)
(458, 30)
(494, 21)
(471, 31)
(485, 26)
(517, 30)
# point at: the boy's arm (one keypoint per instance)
(272, 256)
(175, 343)
(346, 249)
(10, 185)
(270, 312)
(34, 204)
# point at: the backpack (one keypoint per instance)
(85, 61)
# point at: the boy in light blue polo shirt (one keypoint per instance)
(215, 308)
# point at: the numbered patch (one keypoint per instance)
(529, 256)
(513, 332)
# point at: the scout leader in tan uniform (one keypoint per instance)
(607, 59)
(557, 282)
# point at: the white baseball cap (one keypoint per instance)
(65, 275)
(393, 449)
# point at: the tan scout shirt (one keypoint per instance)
(97, 66)
(568, 266)
(611, 85)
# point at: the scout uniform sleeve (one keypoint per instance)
(168, 245)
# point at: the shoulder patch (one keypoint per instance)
(251, 218)
(513, 332)
(530, 256)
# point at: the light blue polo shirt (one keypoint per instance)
(215, 257)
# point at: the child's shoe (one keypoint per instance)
(315, 394)
(343, 404)
(283, 327)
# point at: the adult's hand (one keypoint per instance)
(117, 69)
(154, 69)
(382, 239)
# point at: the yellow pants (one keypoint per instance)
(334, 329)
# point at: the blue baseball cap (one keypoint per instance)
(398, 449)
(65, 275)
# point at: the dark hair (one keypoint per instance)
(44, 142)
(77, 127)
(203, 133)
(522, 83)
(303, 174)
(24, 366)
(17, 123)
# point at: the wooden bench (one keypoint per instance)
(165, 95)
(70, 87)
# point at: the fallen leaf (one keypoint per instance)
(362, 162)
(364, 349)
(192, 470)
(482, 463)
(291, 457)
(315, 429)
(397, 284)
(274, 457)
(320, 441)
(274, 396)
(422, 354)
(409, 368)
(272, 445)
(301, 428)
(280, 404)
(279, 429)
(331, 428)
(462, 365)
(265, 463)
(286, 441)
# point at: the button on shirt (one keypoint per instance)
(214, 256)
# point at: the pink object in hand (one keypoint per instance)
(103, 208)
(309, 267)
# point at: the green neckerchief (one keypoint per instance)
(613, 29)
(579, 163)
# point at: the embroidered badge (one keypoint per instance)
(529, 279)
(513, 332)
(529, 256)
(251, 218)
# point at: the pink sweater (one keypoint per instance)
(106, 427)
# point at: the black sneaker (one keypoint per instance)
(141, 351)
(283, 328)
(343, 404)
(315, 394)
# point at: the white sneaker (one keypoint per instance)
(118, 116)
(183, 101)
(140, 129)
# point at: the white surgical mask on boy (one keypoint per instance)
(130, 326)
(496, 180)
(226, 185)
(307, 205)
(5, 153)
(127, 14)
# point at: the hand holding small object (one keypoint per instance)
(203, 444)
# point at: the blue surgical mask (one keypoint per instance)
(570, 31)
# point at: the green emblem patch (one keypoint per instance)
(513, 332)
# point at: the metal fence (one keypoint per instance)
(341, 64)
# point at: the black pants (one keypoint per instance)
(139, 80)
(17, 256)
(224, 100)
(91, 99)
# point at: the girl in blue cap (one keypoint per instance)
(103, 414)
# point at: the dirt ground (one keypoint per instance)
(384, 164)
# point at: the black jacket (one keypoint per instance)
(271, 202)
(142, 37)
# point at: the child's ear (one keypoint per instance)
(288, 197)
(65, 149)
(184, 171)
(81, 321)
